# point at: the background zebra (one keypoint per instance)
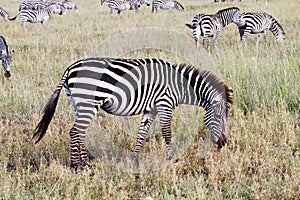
(256, 23)
(6, 56)
(166, 5)
(121, 5)
(129, 87)
(32, 5)
(34, 16)
(4, 14)
(211, 25)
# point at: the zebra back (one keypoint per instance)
(227, 15)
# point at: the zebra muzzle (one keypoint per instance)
(222, 140)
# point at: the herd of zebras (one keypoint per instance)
(151, 87)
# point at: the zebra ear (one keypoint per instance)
(12, 51)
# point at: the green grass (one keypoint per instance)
(260, 161)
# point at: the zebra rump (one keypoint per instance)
(126, 87)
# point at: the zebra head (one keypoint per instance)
(238, 19)
(56, 8)
(277, 30)
(6, 57)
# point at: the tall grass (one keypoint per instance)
(260, 161)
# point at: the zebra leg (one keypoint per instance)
(165, 116)
(205, 39)
(257, 39)
(147, 119)
(84, 116)
(265, 35)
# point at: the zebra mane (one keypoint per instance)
(212, 79)
(178, 6)
(4, 42)
(275, 22)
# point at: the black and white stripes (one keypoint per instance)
(166, 5)
(211, 25)
(6, 56)
(34, 16)
(130, 87)
(256, 23)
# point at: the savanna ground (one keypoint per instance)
(260, 161)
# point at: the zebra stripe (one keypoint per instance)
(4, 14)
(34, 16)
(166, 5)
(121, 5)
(32, 5)
(127, 87)
(256, 23)
(6, 56)
(211, 25)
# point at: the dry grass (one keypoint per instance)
(261, 160)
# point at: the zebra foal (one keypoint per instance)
(211, 25)
(125, 87)
(6, 56)
(34, 16)
(257, 23)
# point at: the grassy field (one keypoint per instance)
(260, 161)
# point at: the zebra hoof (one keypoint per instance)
(136, 159)
(170, 154)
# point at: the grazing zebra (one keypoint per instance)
(6, 56)
(34, 16)
(4, 14)
(256, 23)
(32, 5)
(127, 87)
(211, 25)
(166, 5)
(121, 5)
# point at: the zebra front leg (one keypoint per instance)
(79, 157)
(147, 119)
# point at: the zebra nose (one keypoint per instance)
(7, 74)
(222, 140)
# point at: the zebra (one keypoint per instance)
(166, 5)
(211, 25)
(32, 5)
(121, 5)
(127, 87)
(4, 14)
(68, 5)
(34, 16)
(6, 57)
(256, 23)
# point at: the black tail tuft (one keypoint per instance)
(49, 111)
(13, 18)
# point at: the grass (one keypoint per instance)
(260, 161)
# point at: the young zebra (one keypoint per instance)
(121, 5)
(4, 14)
(211, 25)
(133, 86)
(6, 56)
(34, 16)
(256, 23)
(166, 5)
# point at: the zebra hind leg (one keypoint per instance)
(79, 157)
(147, 119)
(165, 117)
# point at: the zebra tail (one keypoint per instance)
(178, 6)
(49, 111)
(13, 18)
(190, 26)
